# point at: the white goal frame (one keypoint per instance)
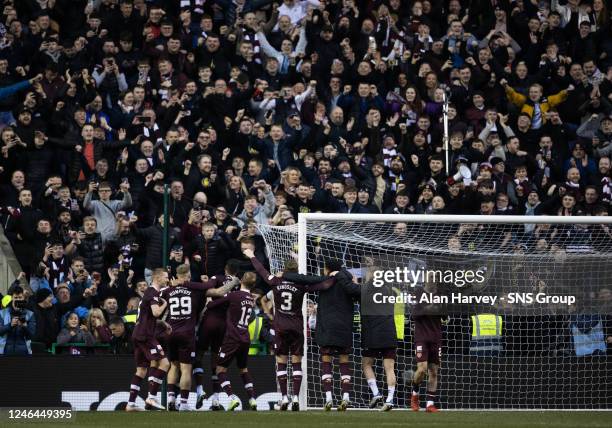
(304, 218)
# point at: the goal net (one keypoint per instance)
(546, 281)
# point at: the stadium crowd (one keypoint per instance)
(252, 111)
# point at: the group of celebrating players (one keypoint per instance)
(179, 320)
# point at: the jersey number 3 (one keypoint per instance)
(287, 303)
(180, 306)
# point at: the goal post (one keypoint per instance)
(302, 254)
(549, 354)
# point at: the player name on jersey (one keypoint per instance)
(176, 290)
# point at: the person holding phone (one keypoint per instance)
(104, 209)
(253, 209)
(110, 79)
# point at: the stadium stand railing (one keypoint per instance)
(87, 349)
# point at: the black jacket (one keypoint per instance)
(377, 319)
(38, 165)
(214, 253)
(179, 210)
(123, 344)
(47, 325)
(24, 223)
(335, 309)
(91, 249)
(153, 237)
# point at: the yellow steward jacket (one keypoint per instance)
(526, 105)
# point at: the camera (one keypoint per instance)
(21, 315)
(19, 310)
(19, 304)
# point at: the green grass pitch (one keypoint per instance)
(351, 419)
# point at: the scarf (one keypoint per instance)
(57, 271)
(146, 131)
(388, 154)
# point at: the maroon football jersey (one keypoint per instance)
(184, 304)
(288, 298)
(146, 322)
(239, 305)
(217, 312)
(427, 321)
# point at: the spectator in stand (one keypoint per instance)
(90, 245)
(533, 105)
(261, 213)
(105, 210)
(96, 325)
(109, 307)
(17, 325)
(22, 227)
(153, 237)
(67, 301)
(179, 206)
(210, 251)
(121, 340)
(74, 332)
(47, 320)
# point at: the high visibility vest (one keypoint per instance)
(486, 333)
(6, 300)
(399, 320)
(254, 332)
(130, 318)
(486, 325)
(398, 316)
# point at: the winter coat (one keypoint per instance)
(91, 249)
(16, 340)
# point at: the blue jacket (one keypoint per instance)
(585, 171)
(588, 335)
(285, 149)
(7, 91)
(356, 209)
(16, 340)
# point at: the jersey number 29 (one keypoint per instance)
(180, 306)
